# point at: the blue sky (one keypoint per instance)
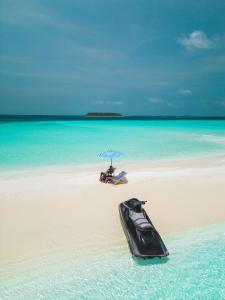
(140, 57)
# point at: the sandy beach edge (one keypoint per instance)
(46, 210)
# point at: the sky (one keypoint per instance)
(143, 57)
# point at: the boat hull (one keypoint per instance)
(155, 246)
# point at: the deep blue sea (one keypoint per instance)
(42, 143)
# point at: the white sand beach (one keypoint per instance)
(44, 210)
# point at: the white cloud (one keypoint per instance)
(221, 103)
(28, 13)
(101, 102)
(184, 92)
(155, 100)
(196, 40)
(118, 102)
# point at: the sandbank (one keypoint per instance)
(48, 209)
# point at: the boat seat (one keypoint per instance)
(140, 220)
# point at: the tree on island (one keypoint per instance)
(103, 114)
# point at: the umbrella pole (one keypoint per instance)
(111, 161)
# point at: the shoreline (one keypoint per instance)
(206, 159)
(46, 210)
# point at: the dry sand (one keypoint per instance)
(46, 210)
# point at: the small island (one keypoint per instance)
(103, 114)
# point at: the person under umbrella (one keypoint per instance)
(107, 177)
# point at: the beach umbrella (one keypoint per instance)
(110, 154)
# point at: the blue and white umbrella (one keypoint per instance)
(110, 154)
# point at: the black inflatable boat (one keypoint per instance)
(143, 239)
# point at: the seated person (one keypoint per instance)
(110, 171)
(107, 176)
(102, 177)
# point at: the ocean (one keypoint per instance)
(77, 142)
(195, 268)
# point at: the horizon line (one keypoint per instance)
(116, 117)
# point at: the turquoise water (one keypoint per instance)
(194, 270)
(77, 142)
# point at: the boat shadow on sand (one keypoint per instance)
(150, 261)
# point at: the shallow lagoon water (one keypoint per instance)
(44, 143)
(195, 269)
